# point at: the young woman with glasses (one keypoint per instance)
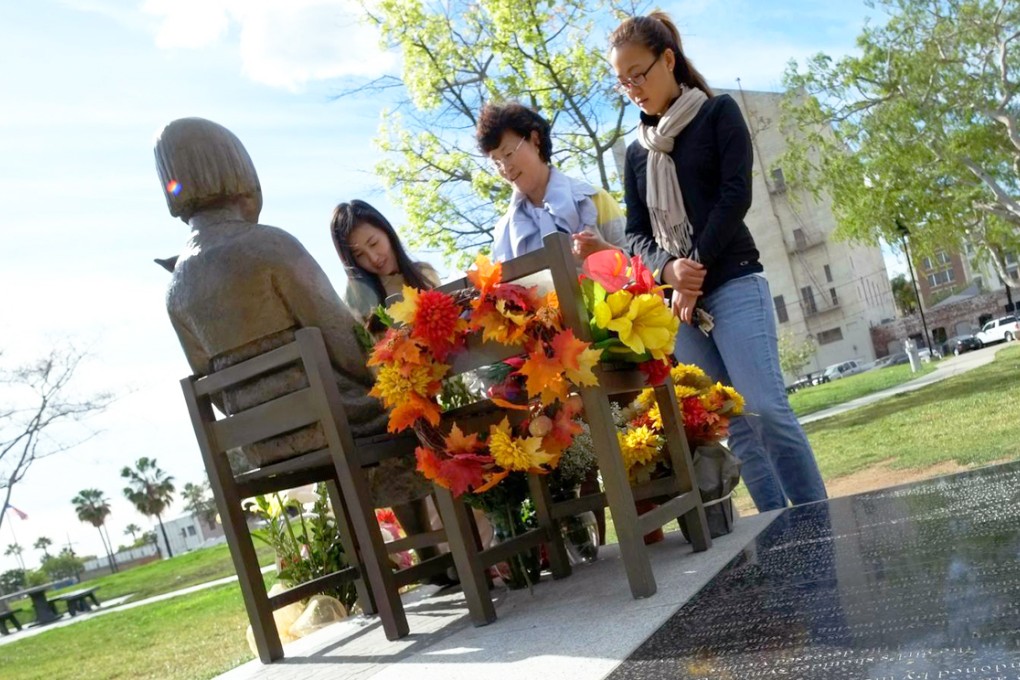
(687, 188)
(518, 143)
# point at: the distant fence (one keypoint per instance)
(125, 558)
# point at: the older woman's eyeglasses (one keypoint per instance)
(500, 163)
(626, 84)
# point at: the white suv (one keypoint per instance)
(1005, 328)
(842, 370)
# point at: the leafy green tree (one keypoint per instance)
(12, 580)
(15, 550)
(92, 506)
(794, 355)
(151, 491)
(903, 294)
(198, 503)
(43, 543)
(458, 55)
(64, 565)
(923, 126)
(133, 529)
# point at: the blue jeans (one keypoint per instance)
(742, 350)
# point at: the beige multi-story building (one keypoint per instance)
(831, 291)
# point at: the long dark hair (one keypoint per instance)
(346, 217)
(657, 33)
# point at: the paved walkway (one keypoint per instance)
(947, 368)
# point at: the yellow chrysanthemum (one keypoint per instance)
(647, 326)
(394, 384)
(639, 445)
(646, 398)
(684, 391)
(690, 375)
(731, 395)
(515, 453)
(655, 415)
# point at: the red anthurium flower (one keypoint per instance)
(607, 268)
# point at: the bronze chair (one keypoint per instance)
(556, 261)
(341, 465)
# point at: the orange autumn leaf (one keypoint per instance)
(485, 275)
(457, 442)
(404, 415)
(428, 462)
(503, 403)
(577, 357)
(492, 480)
(544, 377)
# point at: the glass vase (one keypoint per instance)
(523, 569)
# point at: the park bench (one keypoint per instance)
(77, 600)
(8, 616)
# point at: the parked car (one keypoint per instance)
(961, 344)
(892, 360)
(1005, 328)
(842, 370)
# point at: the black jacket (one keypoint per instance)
(713, 158)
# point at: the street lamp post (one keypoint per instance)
(904, 232)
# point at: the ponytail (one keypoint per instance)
(657, 33)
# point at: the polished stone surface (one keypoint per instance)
(918, 582)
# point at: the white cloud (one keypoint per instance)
(283, 45)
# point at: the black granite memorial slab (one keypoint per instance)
(919, 582)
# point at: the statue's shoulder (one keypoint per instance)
(274, 241)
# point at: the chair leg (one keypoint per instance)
(619, 496)
(683, 466)
(351, 547)
(559, 563)
(462, 539)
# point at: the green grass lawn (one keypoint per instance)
(156, 578)
(973, 419)
(194, 636)
(830, 394)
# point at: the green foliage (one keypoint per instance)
(307, 546)
(793, 355)
(12, 580)
(64, 565)
(198, 502)
(923, 126)
(456, 56)
(903, 294)
(827, 395)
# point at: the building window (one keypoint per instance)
(835, 299)
(830, 336)
(926, 264)
(941, 278)
(191, 531)
(943, 257)
(799, 239)
(780, 309)
(828, 274)
(778, 180)
(808, 296)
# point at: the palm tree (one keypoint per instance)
(132, 529)
(42, 543)
(151, 491)
(15, 549)
(93, 507)
(195, 502)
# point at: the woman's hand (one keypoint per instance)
(587, 242)
(686, 277)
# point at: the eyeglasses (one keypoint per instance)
(500, 163)
(626, 84)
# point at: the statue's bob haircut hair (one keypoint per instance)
(202, 164)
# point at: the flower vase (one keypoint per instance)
(580, 532)
(644, 506)
(523, 569)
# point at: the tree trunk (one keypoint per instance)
(169, 552)
(106, 547)
(113, 553)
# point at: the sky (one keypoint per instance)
(86, 86)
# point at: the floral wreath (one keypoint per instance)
(630, 321)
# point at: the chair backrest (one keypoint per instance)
(318, 404)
